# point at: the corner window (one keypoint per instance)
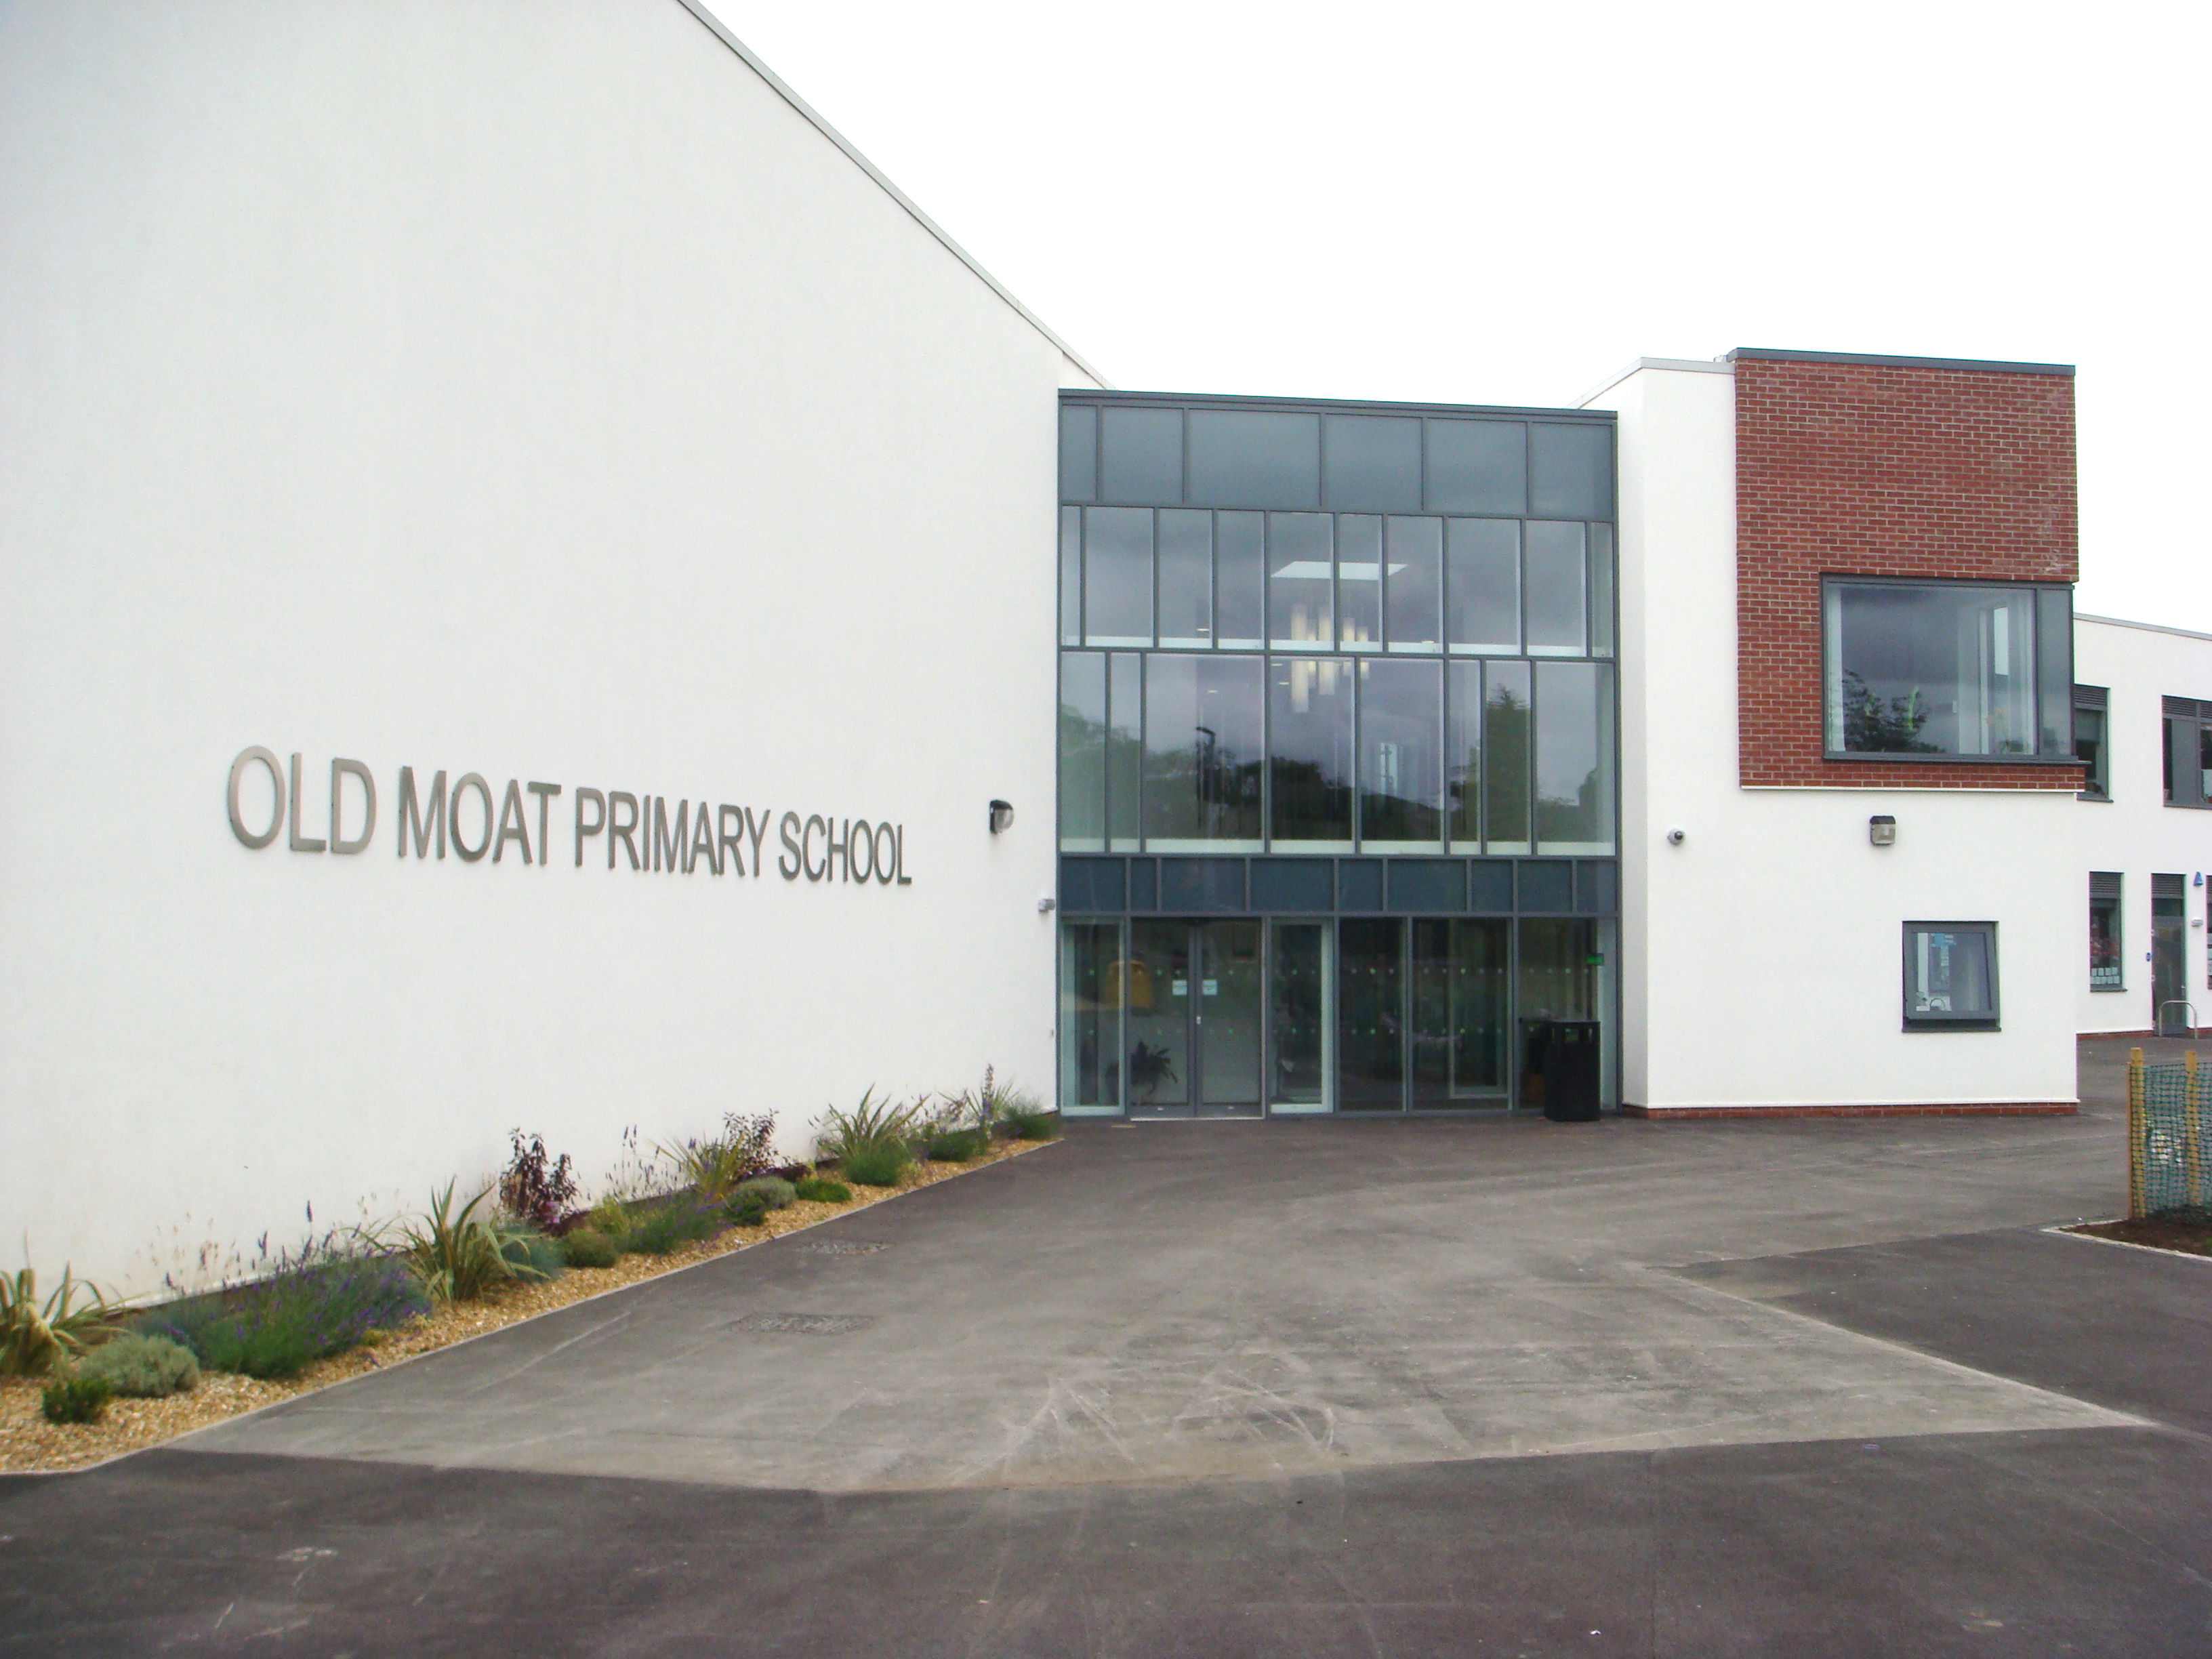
(2090, 747)
(2188, 752)
(1951, 975)
(2105, 957)
(1948, 670)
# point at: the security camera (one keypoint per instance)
(1676, 837)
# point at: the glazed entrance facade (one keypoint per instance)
(1164, 1013)
(1338, 776)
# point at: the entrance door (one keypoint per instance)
(2169, 954)
(1195, 1020)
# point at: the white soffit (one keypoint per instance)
(723, 34)
(1683, 364)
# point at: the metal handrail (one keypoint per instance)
(2176, 1002)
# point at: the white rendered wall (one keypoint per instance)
(499, 385)
(1762, 956)
(2136, 833)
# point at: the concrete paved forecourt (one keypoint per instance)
(1419, 1386)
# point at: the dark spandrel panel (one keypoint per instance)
(1428, 886)
(1478, 467)
(1289, 885)
(1547, 887)
(1200, 885)
(1571, 471)
(1092, 886)
(1360, 884)
(1250, 458)
(1079, 454)
(1140, 456)
(1490, 886)
(1597, 888)
(1144, 885)
(1372, 464)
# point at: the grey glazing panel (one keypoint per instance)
(1117, 576)
(1597, 887)
(1371, 464)
(1294, 884)
(1490, 886)
(1078, 453)
(1571, 471)
(1240, 579)
(1478, 467)
(1186, 579)
(1140, 456)
(1202, 886)
(1482, 585)
(1556, 598)
(1412, 584)
(1093, 885)
(1144, 884)
(1359, 885)
(1428, 886)
(1546, 887)
(1245, 458)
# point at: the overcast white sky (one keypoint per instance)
(1504, 204)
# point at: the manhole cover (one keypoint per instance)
(803, 1324)
(842, 1247)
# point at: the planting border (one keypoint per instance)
(728, 1242)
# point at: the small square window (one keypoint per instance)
(1950, 976)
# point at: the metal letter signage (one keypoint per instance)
(696, 834)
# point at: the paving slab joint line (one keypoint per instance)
(2065, 1230)
(2118, 1417)
(178, 1441)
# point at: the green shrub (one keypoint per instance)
(314, 1305)
(778, 1191)
(876, 1165)
(75, 1398)
(588, 1247)
(143, 1367)
(959, 1147)
(532, 1256)
(747, 1209)
(1030, 1124)
(37, 1337)
(819, 1189)
(669, 1226)
(610, 1216)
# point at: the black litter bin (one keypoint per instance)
(1571, 1070)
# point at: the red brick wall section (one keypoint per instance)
(1884, 469)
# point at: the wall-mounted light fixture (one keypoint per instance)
(1676, 837)
(1046, 906)
(1002, 817)
(1881, 830)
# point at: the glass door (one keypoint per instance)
(2169, 971)
(1159, 1069)
(1227, 1018)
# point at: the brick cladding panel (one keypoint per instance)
(1868, 469)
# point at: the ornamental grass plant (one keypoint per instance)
(38, 1338)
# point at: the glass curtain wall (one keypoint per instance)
(1320, 631)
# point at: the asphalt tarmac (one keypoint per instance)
(1428, 1388)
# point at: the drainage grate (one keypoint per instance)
(842, 1247)
(790, 1324)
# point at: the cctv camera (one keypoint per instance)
(1676, 837)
